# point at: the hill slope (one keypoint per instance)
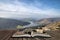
(48, 20)
(53, 26)
(10, 23)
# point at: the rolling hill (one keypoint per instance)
(47, 21)
(6, 23)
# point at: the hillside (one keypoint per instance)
(48, 20)
(53, 26)
(10, 23)
(54, 30)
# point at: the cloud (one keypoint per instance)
(18, 9)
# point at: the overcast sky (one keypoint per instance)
(29, 8)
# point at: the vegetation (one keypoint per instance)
(19, 26)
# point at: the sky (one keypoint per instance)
(29, 9)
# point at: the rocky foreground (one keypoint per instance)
(6, 35)
(55, 35)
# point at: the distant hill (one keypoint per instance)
(6, 23)
(29, 19)
(48, 20)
